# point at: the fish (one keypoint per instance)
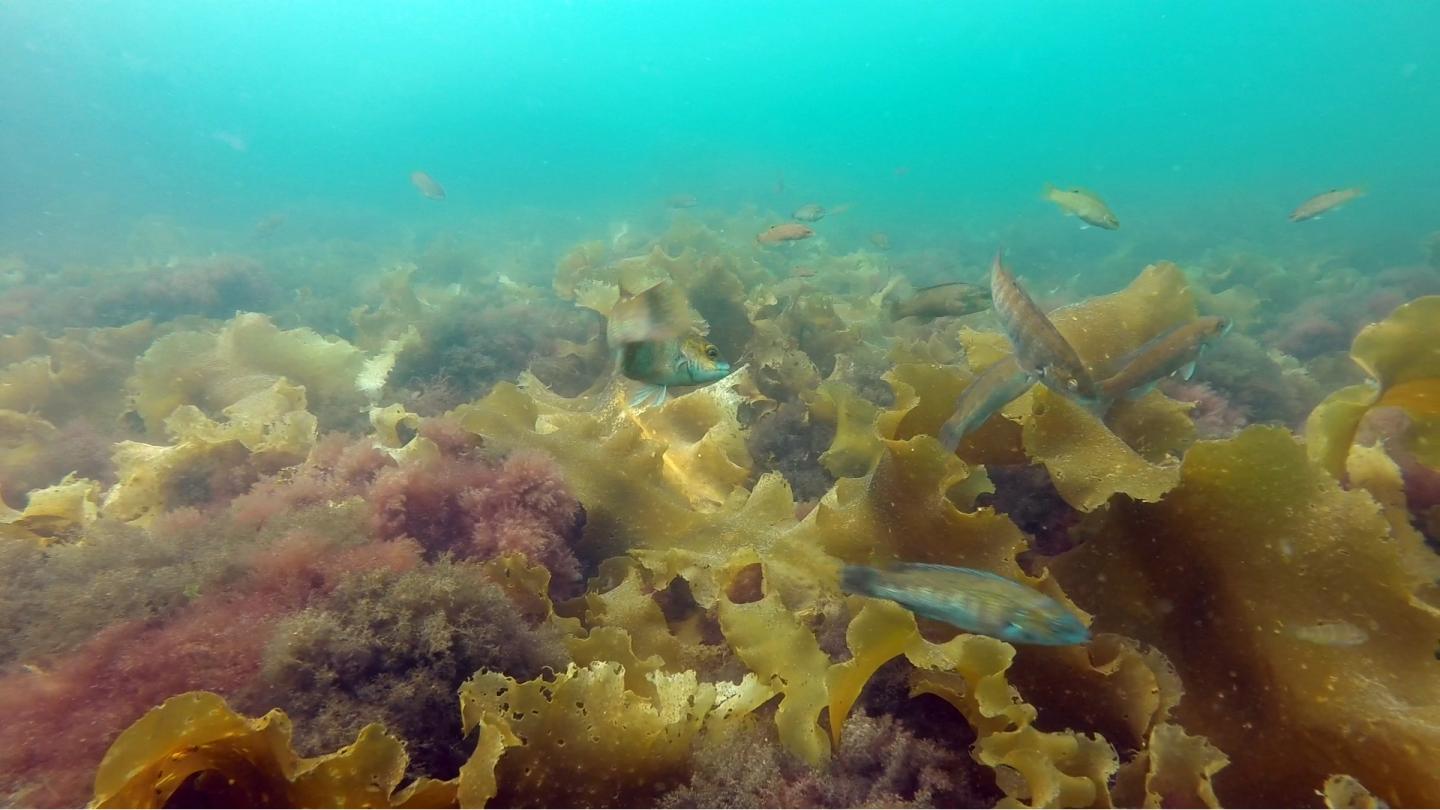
(1040, 349)
(1173, 352)
(995, 388)
(1321, 203)
(811, 212)
(268, 225)
(975, 601)
(427, 185)
(681, 201)
(787, 232)
(661, 312)
(801, 271)
(880, 239)
(1086, 205)
(953, 299)
(660, 364)
(1331, 634)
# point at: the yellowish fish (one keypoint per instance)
(1086, 205)
(1174, 352)
(951, 299)
(1040, 349)
(1321, 203)
(974, 601)
(788, 232)
(427, 185)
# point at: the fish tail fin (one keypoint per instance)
(659, 313)
(858, 579)
(1047, 191)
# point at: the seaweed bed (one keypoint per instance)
(434, 559)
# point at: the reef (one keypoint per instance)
(431, 555)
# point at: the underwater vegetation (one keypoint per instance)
(443, 555)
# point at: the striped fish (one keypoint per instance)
(1174, 352)
(1040, 349)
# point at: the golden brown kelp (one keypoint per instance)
(1256, 541)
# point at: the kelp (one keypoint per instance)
(1233, 575)
(194, 750)
(1401, 354)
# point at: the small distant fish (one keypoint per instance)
(1174, 352)
(1039, 347)
(1321, 203)
(1331, 634)
(812, 212)
(1086, 205)
(974, 601)
(880, 239)
(951, 299)
(995, 388)
(427, 185)
(780, 182)
(690, 360)
(788, 232)
(237, 142)
(268, 225)
(800, 271)
(681, 201)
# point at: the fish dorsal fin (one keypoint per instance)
(660, 312)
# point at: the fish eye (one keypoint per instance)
(712, 352)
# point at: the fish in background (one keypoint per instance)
(951, 299)
(880, 239)
(678, 201)
(810, 212)
(974, 601)
(1040, 349)
(267, 225)
(427, 185)
(1323, 203)
(1086, 205)
(657, 340)
(1174, 352)
(787, 232)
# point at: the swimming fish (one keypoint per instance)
(427, 185)
(880, 239)
(1320, 203)
(1086, 205)
(813, 212)
(974, 601)
(681, 201)
(658, 341)
(1174, 352)
(986, 394)
(1040, 349)
(953, 298)
(661, 312)
(689, 360)
(788, 232)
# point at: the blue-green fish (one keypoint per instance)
(974, 601)
(656, 339)
(690, 360)
(986, 394)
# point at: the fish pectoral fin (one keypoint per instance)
(1187, 371)
(1140, 391)
(643, 397)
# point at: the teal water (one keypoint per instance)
(1199, 123)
